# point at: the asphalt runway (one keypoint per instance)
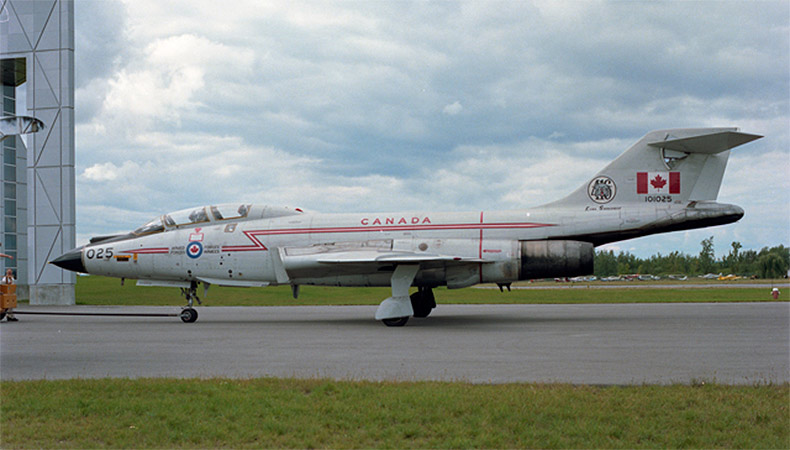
(740, 343)
(643, 285)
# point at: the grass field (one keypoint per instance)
(95, 290)
(272, 413)
(221, 413)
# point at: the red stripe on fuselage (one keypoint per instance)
(259, 246)
(148, 251)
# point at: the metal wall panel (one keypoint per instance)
(42, 32)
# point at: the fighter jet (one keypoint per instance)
(667, 181)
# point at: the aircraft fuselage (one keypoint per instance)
(312, 248)
(667, 181)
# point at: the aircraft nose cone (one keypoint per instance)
(71, 260)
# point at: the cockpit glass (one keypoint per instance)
(230, 211)
(187, 217)
(198, 215)
(153, 226)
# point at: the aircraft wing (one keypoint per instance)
(233, 283)
(461, 271)
(361, 257)
(214, 281)
(369, 252)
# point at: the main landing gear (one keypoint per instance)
(189, 314)
(422, 302)
(396, 322)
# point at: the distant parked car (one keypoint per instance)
(648, 277)
(729, 277)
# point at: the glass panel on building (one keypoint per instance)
(10, 190)
(10, 225)
(9, 173)
(9, 243)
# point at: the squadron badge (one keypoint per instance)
(601, 189)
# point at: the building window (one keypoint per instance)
(10, 190)
(10, 241)
(9, 156)
(8, 105)
(9, 173)
(10, 224)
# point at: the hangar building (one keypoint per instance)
(37, 186)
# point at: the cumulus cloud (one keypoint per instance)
(100, 172)
(333, 106)
(453, 108)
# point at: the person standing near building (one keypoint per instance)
(9, 279)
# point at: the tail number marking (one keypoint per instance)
(658, 199)
(99, 253)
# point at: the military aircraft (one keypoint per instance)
(667, 181)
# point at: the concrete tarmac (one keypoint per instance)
(740, 343)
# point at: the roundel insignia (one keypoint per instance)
(194, 249)
(601, 189)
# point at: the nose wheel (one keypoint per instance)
(189, 314)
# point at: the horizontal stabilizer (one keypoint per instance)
(707, 143)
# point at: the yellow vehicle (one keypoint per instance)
(729, 277)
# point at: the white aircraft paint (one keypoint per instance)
(667, 181)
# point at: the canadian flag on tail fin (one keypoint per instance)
(658, 182)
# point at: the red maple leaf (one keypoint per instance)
(658, 182)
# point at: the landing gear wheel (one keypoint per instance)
(396, 322)
(422, 302)
(189, 315)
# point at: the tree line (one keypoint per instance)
(767, 263)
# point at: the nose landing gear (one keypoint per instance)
(189, 314)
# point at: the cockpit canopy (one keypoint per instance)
(191, 217)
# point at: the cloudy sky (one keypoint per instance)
(388, 106)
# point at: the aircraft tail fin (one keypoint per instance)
(667, 166)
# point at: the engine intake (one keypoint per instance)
(550, 259)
